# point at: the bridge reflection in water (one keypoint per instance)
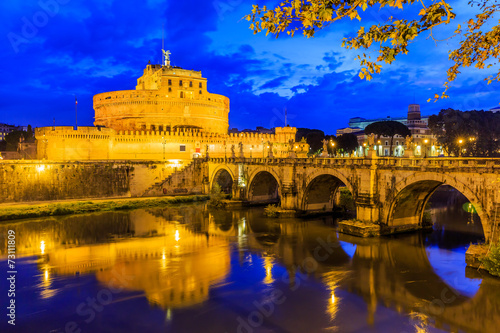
(179, 257)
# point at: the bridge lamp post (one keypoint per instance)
(472, 139)
(460, 147)
(163, 142)
(45, 144)
(425, 147)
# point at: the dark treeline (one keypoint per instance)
(343, 144)
(12, 139)
(475, 133)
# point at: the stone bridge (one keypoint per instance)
(389, 191)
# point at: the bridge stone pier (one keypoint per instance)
(389, 191)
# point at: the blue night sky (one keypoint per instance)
(87, 47)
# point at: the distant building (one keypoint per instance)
(6, 129)
(424, 143)
(495, 109)
(258, 130)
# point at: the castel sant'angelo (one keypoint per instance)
(169, 115)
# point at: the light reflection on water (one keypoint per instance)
(185, 269)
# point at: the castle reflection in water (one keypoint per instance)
(176, 255)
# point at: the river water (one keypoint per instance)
(189, 269)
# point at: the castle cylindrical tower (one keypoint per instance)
(166, 99)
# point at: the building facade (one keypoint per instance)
(423, 143)
(6, 129)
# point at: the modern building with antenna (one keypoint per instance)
(169, 116)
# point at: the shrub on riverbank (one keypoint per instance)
(491, 261)
(272, 211)
(346, 201)
(217, 197)
(80, 207)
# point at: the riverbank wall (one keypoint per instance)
(28, 181)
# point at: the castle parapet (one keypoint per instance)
(98, 143)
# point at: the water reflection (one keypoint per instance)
(222, 263)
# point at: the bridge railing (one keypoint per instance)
(398, 162)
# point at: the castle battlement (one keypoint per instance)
(98, 143)
(87, 132)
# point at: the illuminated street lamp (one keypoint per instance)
(425, 147)
(460, 147)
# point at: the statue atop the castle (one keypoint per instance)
(166, 58)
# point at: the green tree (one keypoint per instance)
(492, 261)
(347, 143)
(479, 39)
(314, 138)
(479, 132)
(332, 144)
(12, 139)
(217, 197)
(388, 128)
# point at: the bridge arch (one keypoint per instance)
(224, 177)
(320, 189)
(264, 186)
(407, 203)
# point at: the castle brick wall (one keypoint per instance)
(94, 143)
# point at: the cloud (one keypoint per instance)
(273, 83)
(96, 46)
